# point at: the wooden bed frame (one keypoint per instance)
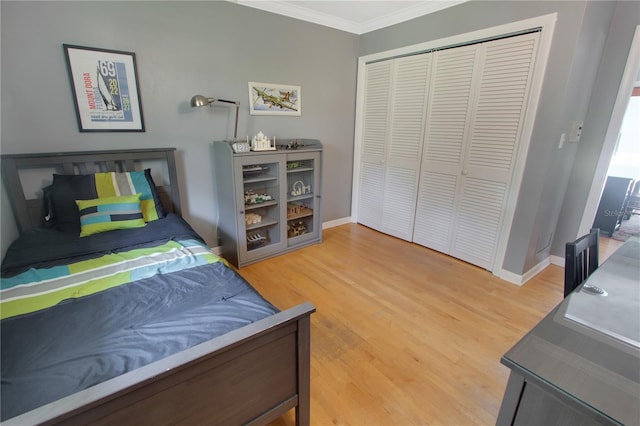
(251, 375)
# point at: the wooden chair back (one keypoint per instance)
(581, 259)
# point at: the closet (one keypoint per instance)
(439, 140)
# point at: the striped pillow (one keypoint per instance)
(66, 189)
(109, 213)
(113, 184)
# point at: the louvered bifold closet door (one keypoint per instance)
(448, 118)
(404, 148)
(496, 126)
(375, 129)
(392, 140)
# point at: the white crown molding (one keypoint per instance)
(302, 13)
(407, 14)
(306, 14)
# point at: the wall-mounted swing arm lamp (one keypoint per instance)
(199, 100)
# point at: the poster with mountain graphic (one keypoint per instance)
(105, 89)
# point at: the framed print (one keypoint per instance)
(105, 89)
(274, 99)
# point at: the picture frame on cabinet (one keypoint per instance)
(274, 99)
(105, 89)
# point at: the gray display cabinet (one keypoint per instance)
(269, 201)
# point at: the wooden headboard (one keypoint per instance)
(28, 207)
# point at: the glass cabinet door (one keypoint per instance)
(260, 211)
(303, 193)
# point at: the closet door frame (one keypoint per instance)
(546, 24)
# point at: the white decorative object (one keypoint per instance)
(299, 188)
(262, 143)
(251, 218)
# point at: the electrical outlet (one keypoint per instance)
(576, 131)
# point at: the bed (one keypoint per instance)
(136, 321)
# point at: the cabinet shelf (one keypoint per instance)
(254, 169)
(259, 179)
(300, 169)
(295, 239)
(300, 197)
(260, 205)
(304, 212)
(264, 223)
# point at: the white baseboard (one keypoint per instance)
(503, 274)
(336, 222)
(557, 260)
(218, 250)
(522, 279)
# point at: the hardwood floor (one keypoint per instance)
(607, 247)
(403, 335)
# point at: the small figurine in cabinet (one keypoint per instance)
(251, 197)
(296, 228)
(299, 188)
(294, 208)
(251, 218)
(256, 238)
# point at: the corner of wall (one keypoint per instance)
(522, 279)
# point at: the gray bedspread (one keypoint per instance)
(55, 352)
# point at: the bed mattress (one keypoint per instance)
(92, 336)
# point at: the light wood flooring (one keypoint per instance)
(404, 335)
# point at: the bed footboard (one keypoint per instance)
(251, 375)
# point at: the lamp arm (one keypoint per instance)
(199, 100)
(235, 131)
(226, 101)
(237, 104)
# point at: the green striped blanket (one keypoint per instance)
(37, 289)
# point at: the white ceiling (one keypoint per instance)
(354, 16)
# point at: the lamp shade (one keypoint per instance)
(199, 100)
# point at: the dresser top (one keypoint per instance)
(588, 347)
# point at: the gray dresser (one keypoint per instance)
(581, 363)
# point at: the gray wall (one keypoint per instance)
(616, 51)
(182, 49)
(577, 48)
(214, 48)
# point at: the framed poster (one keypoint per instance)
(274, 99)
(105, 89)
